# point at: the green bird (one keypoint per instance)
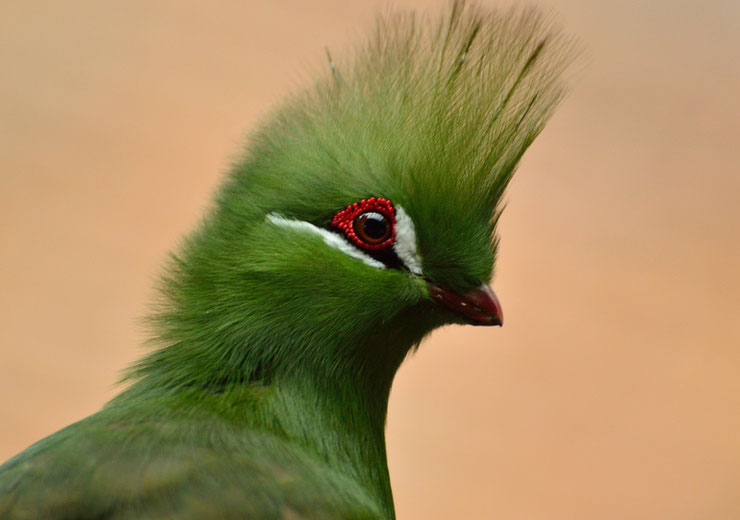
(360, 217)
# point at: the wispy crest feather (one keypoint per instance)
(457, 102)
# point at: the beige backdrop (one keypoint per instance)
(612, 392)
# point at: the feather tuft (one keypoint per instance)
(457, 102)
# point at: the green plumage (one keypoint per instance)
(266, 392)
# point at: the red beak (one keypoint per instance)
(480, 306)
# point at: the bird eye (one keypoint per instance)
(372, 227)
(368, 224)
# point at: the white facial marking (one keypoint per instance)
(405, 244)
(330, 239)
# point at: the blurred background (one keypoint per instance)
(612, 392)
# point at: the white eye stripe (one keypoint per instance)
(330, 239)
(404, 245)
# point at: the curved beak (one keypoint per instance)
(479, 306)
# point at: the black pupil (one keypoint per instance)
(374, 225)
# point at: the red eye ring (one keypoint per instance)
(344, 220)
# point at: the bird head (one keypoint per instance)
(363, 213)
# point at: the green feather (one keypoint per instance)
(266, 391)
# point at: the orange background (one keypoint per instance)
(612, 392)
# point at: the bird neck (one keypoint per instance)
(330, 399)
(339, 410)
(342, 420)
